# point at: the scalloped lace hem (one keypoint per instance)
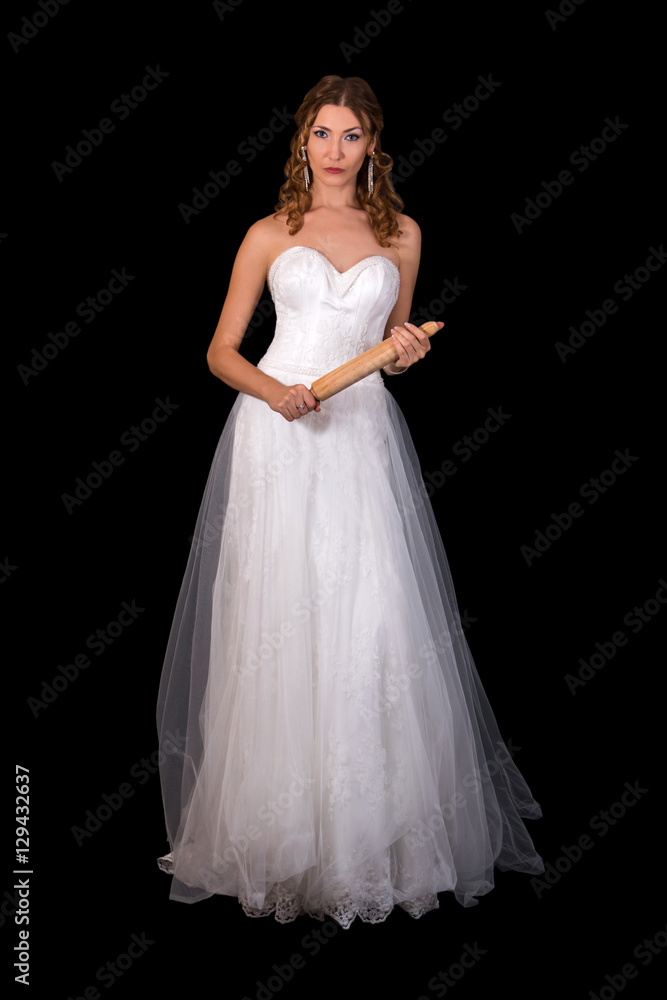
(286, 906)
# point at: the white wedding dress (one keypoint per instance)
(327, 746)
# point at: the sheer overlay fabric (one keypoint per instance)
(328, 747)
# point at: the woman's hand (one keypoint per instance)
(293, 401)
(411, 344)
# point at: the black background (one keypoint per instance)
(67, 573)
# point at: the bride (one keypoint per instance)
(340, 755)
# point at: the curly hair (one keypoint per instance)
(381, 207)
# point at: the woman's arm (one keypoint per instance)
(409, 340)
(245, 288)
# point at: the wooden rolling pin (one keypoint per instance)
(364, 364)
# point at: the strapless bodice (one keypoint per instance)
(324, 317)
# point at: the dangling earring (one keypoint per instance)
(370, 173)
(306, 174)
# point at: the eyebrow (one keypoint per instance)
(329, 129)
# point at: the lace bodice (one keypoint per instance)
(325, 317)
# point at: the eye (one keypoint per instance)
(353, 135)
(319, 132)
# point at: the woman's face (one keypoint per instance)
(336, 147)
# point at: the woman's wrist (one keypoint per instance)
(397, 370)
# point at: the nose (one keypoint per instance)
(337, 148)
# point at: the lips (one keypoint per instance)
(333, 170)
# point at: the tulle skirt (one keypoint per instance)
(327, 744)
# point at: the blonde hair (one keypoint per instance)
(294, 201)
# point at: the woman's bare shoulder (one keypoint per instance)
(409, 242)
(262, 243)
(410, 231)
(268, 228)
(264, 235)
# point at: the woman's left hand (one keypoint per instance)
(411, 343)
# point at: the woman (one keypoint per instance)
(338, 755)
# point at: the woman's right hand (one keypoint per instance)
(293, 401)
